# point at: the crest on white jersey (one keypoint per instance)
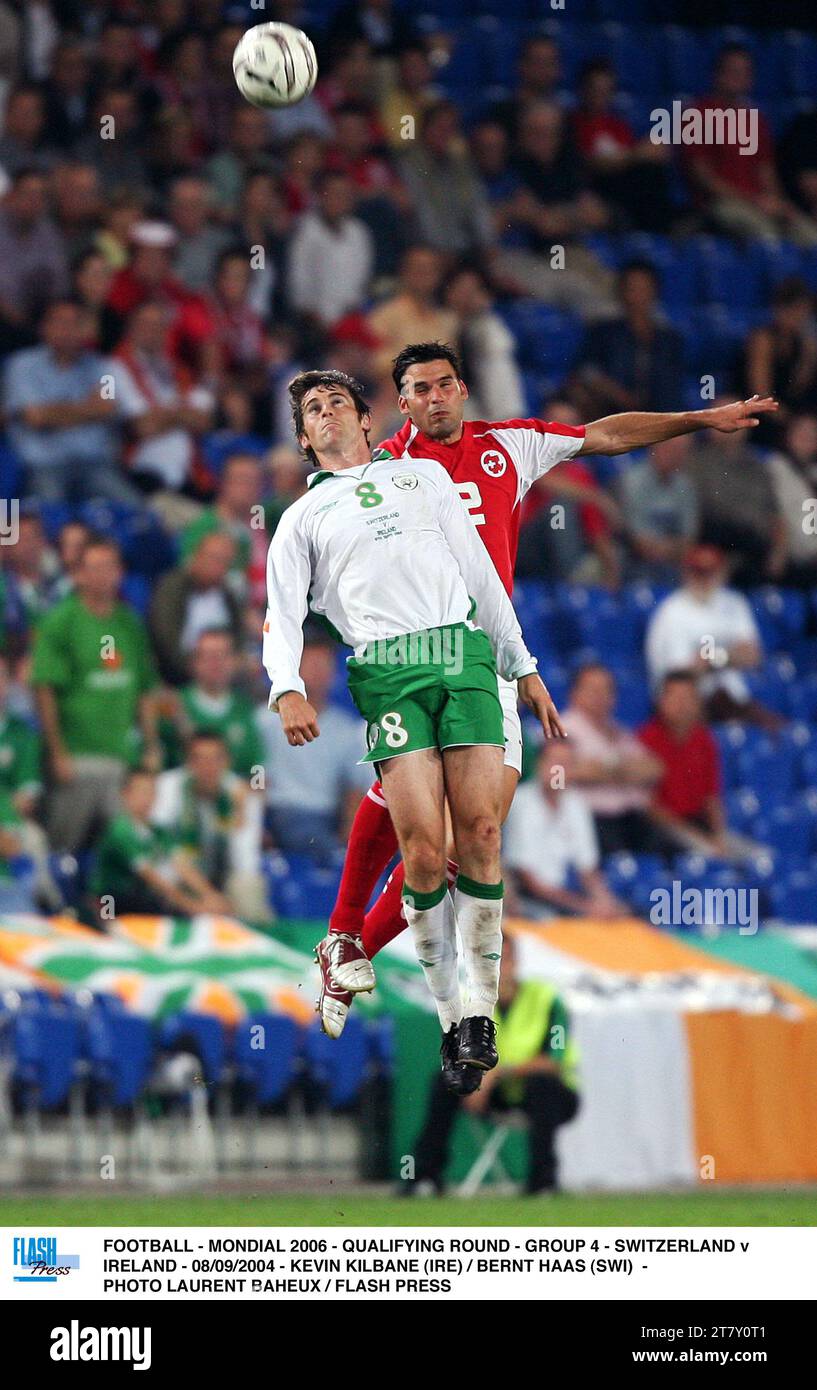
(494, 463)
(407, 481)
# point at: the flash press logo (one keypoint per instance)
(75, 1343)
(36, 1260)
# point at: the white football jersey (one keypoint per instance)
(381, 551)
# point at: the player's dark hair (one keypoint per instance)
(423, 352)
(330, 378)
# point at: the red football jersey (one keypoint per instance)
(493, 465)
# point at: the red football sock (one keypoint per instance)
(372, 843)
(384, 920)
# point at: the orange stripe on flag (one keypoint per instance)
(754, 1095)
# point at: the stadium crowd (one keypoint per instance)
(170, 257)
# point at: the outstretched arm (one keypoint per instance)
(289, 574)
(617, 434)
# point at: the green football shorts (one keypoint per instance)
(434, 689)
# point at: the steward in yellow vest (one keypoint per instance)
(537, 1073)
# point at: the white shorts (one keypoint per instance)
(512, 724)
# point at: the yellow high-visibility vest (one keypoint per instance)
(521, 1033)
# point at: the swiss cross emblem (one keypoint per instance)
(494, 463)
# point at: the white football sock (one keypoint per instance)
(431, 918)
(478, 909)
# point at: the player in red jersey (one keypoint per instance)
(493, 465)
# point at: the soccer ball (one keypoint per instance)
(275, 65)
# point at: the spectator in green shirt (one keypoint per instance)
(211, 704)
(142, 868)
(239, 512)
(95, 685)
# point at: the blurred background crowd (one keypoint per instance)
(459, 174)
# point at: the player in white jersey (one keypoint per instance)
(385, 552)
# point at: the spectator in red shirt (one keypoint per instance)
(687, 810)
(740, 190)
(148, 274)
(625, 171)
(221, 332)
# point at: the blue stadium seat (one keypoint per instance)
(774, 261)
(146, 547)
(728, 274)
(794, 898)
(799, 62)
(381, 1043)
(119, 1049)
(774, 684)
(770, 763)
(789, 831)
(622, 870)
(734, 739)
(11, 471)
(547, 339)
(269, 1070)
(688, 60)
(45, 1045)
(635, 50)
(713, 342)
(338, 1065)
(605, 248)
(780, 615)
(135, 590)
(499, 43)
(743, 807)
(299, 887)
(610, 627)
(803, 698)
(54, 516)
(208, 1035)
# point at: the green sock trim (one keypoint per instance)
(423, 901)
(480, 890)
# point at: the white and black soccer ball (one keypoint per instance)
(275, 65)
